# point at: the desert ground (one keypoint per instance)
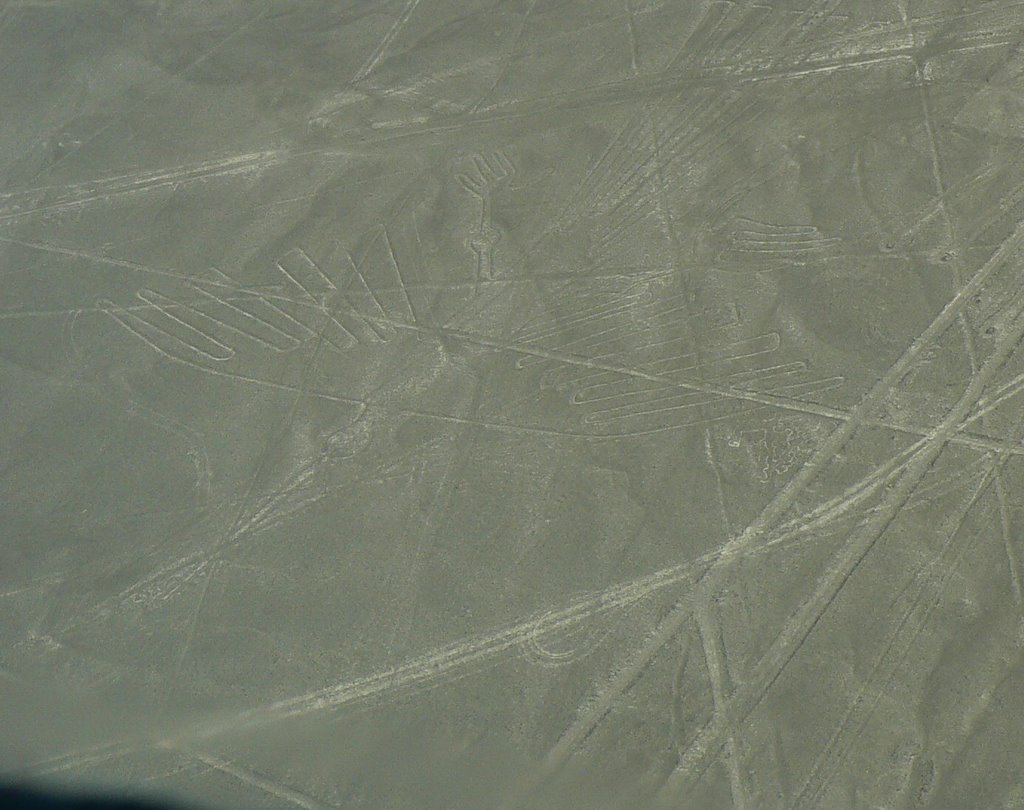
(413, 404)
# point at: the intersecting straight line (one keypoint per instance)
(440, 661)
(709, 740)
(660, 82)
(708, 626)
(702, 751)
(725, 392)
(465, 653)
(623, 92)
(966, 329)
(707, 622)
(663, 81)
(786, 403)
(251, 778)
(165, 79)
(714, 657)
(817, 781)
(432, 667)
(982, 274)
(854, 421)
(821, 774)
(775, 510)
(378, 53)
(245, 503)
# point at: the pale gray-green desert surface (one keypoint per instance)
(513, 404)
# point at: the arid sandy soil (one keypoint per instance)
(513, 404)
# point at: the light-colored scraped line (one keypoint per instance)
(717, 665)
(438, 665)
(797, 529)
(108, 189)
(786, 497)
(709, 740)
(384, 44)
(189, 562)
(853, 418)
(430, 668)
(765, 398)
(251, 778)
(427, 669)
(878, 392)
(898, 647)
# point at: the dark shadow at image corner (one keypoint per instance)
(24, 797)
